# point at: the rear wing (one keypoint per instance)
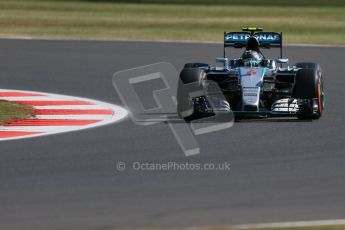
(265, 39)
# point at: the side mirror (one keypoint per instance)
(282, 60)
(224, 61)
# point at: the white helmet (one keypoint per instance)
(251, 58)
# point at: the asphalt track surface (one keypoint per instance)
(280, 170)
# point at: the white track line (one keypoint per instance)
(37, 128)
(154, 41)
(74, 117)
(35, 98)
(57, 107)
(52, 123)
(292, 224)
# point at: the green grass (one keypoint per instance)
(301, 21)
(230, 2)
(12, 111)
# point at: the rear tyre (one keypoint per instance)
(307, 65)
(308, 90)
(195, 65)
(186, 108)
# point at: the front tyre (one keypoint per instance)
(187, 108)
(308, 89)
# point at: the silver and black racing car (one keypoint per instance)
(251, 85)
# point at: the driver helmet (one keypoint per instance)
(251, 58)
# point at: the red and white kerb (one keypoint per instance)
(55, 113)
